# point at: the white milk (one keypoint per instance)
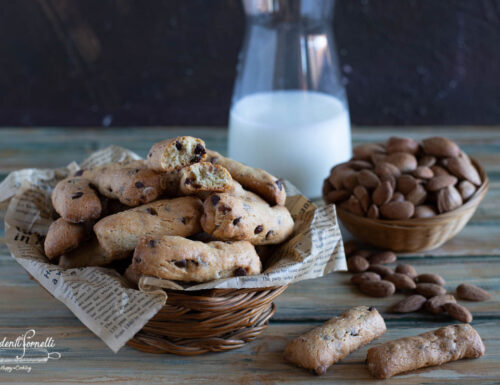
(294, 135)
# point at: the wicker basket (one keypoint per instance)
(415, 234)
(193, 323)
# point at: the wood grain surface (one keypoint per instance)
(473, 257)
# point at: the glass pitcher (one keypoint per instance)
(289, 112)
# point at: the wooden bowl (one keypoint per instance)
(193, 323)
(416, 234)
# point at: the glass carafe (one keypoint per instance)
(289, 112)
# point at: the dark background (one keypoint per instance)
(132, 62)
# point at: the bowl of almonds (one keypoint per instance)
(406, 195)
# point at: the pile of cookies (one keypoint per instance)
(403, 179)
(185, 214)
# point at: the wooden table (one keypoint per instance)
(473, 256)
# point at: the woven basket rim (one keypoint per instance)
(424, 222)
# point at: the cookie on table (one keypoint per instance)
(321, 347)
(132, 183)
(204, 177)
(176, 153)
(230, 217)
(63, 237)
(436, 347)
(180, 259)
(119, 234)
(75, 200)
(254, 179)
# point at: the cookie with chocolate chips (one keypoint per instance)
(180, 259)
(75, 200)
(176, 153)
(118, 234)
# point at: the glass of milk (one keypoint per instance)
(289, 112)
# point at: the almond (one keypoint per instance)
(401, 281)
(423, 172)
(327, 187)
(449, 199)
(381, 270)
(409, 270)
(382, 194)
(335, 196)
(472, 293)
(357, 264)
(417, 196)
(427, 161)
(362, 194)
(397, 144)
(351, 181)
(373, 212)
(397, 197)
(358, 279)
(440, 182)
(380, 288)
(403, 161)
(440, 147)
(364, 253)
(354, 206)
(431, 278)
(409, 304)
(350, 247)
(406, 183)
(462, 169)
(466, 189)
(398, 210)
(424, 211)
(359, 164)
(430, 289)
(385, 170)
(435, 304)
(383, 258)
(368, 179)
(376, 158)
(338, 174)
(364, 151)
(439, 171)
(458, 312)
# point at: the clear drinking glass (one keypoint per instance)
(289, 112)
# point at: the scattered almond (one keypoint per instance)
(430, 289)
(359, 278)
(459, 312)
(401, 281)
(409, 304)
(409, 270)
(357, 264)
(431, 278)
(435, 304)
(472, 292)
(381, 270)
(380, 288)
(383, 258)
(364, 253)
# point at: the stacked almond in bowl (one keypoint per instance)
(403, 183)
